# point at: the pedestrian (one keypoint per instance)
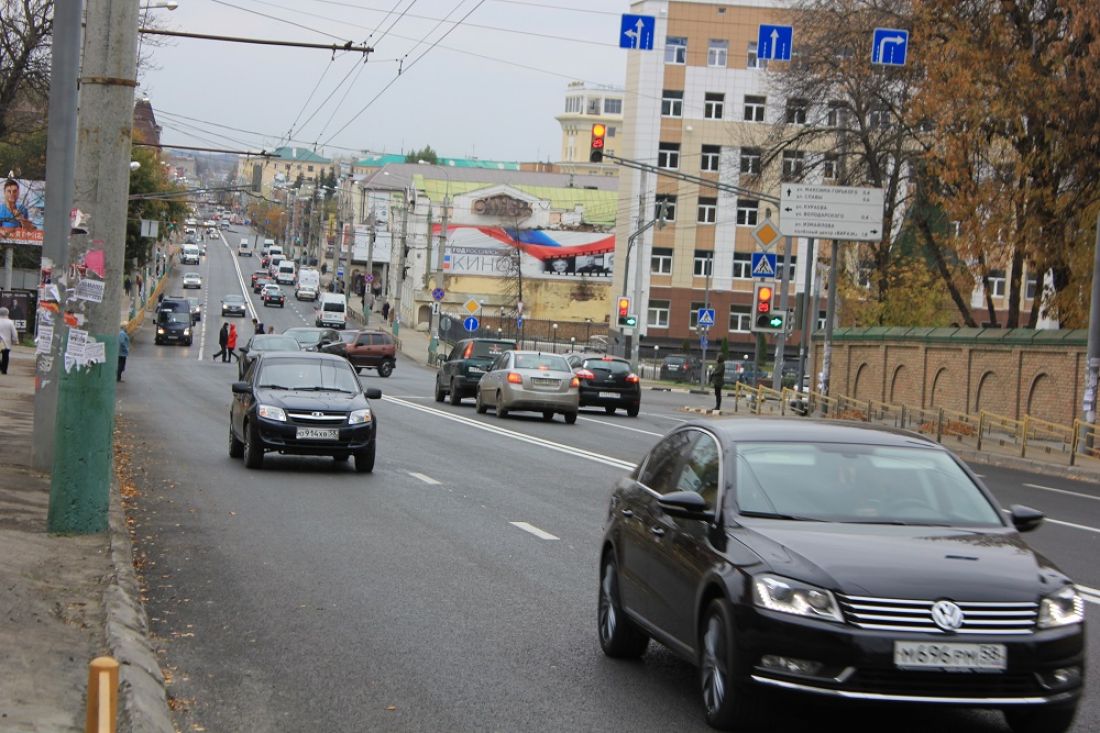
(271, 329)
(9, 337)
(223, 339)
(258, 326)
(385, 310)
(718, 379)
(231, 343)
(123, 350)
(127, 286)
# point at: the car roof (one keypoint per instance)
(488, 341)
(299, 355)
(800, 430)
(600, 357)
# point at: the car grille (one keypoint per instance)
(895, 614)
(318, 418)
(943, 684)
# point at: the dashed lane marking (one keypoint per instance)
(426, 479)
(542, 535)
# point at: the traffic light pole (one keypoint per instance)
(781, 339)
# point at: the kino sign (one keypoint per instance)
(831, 212)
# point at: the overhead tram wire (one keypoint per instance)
(278, 19)
(398, 18)
(435, 27)
(290, 130)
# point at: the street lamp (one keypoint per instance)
(554, 331)
(160, 4)
(572, 343)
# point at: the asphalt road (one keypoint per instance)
(452, 589)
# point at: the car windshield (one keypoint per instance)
(865, 484)
(175, 317)
(608, 365)
(233, 299)
(274, 343)
(305, 335)
(308, 374)
(490, 348)
(545, 362)
(272, 289)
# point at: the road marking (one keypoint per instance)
(240, 278)
(1064, 491)
(664, 417)
(621, 427)
(426, 479)
(534, 530)
(1085, 527)
(522, 437)
(1092, 595)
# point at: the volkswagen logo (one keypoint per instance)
(947, 615)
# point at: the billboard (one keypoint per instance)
(487, 250)
(22, 210)
(361, 246)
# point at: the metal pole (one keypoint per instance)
(703, 331)
(80, 484)
(1092, 365)
(60, 162)
(370, 262)
(781, 339)
(809, 311)
(830, 316)
(400, 280)
(629, 338)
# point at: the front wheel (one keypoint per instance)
(253, 452)
(726, 704)
(385, 369)
(1041, 719)
(364, 459)
(619, 636)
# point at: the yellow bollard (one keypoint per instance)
(102, 696)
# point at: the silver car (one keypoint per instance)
(532, 381)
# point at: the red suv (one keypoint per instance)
(367, 350)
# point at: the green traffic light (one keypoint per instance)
(776, 322)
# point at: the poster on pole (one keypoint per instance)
(22, 211)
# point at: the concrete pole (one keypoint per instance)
(81, 479)
(400, 274)
(1092, 365)
(630, 338)
(830, 315)
(781, 339)
(809, 312)
(60, 162)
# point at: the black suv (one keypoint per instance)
(681, 368)
(174, 326)
(607, 382)
(302, 404)
(466, 365)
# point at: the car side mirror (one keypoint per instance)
(242, 388)
(373, 393)
(1024, 518)
(686, 505)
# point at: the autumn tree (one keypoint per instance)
(152, 196)
(26, 27)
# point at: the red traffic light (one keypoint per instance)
(624, 307)
(599, 131)
(763, 299)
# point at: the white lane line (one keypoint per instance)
(1092, 595)
(522, 437)
(1064, 491)
(240, 277)
(1084, 527)
(663, 417)
(534, 530)
(621, 427)
(426, 479)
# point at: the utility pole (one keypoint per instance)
(809, 312)
(60, 162)
(370, 263)
(428, 254)
(629, 338)
(400, 275)
(81, 480)
(781, 339)
(830, 316)
(439, 269)
(1092, 365)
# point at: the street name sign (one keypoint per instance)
(774, 42)
(764, 264)
(636, 32)
(831, 212)
(889, 46)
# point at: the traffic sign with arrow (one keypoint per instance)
(636, 32)
(831, 212)
(889, 46)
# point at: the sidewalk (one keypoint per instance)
(65, 600)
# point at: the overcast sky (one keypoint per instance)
(491, 88)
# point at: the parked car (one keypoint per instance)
(681, 368)
(192, 280)
(368, 349)
(530, 381)
(261, 342)
(234, 305)
(464, 367)
(311, 338)
(302, 404)
(196, 309)
(173, 327)
(272, 294)
(608, 382)
(744, 371)
(841, 561)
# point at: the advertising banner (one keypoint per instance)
(22, 210)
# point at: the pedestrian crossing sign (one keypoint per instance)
(763, 264)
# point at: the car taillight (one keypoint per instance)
(469, 350)
(585, 374)
(515, 378)
(574, 382)
(632, 379)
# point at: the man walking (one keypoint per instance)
(718, 379)
(9, 337)
(123, 350)
(223, 339)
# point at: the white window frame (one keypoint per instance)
(702, 263)
(836, 116)
(708, 211)
(693, 315)
(675, 104)
(830, 167)
(660, 261)
(740, 318)
(670, 208)
(755, 108)
(753, 61)
(657, 313)
(718, 50)
(668, 156)
(794, 164)
(751, 161)
(676, 50)
(998, 282)
(748, 212)
(742, 265)
(713, 109)
(709, 159)
(608, 102)
(879, 117)
(798, 111)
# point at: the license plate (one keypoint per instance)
(672, 367)
(475, 370)
(544, 382)
(318, 434)
(950, 656)
(609, 395)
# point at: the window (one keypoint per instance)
(837, 116)
(702, 265)
(661, 467)
(708, 211)
(754, 62)
(594, 105)
(660, 261)
(672, 103)
(796, 111)
(1032, 286)
(830, 167)
(822, 317)
(747, 212)
(713, 104)
(573, 105)
(669, 201)
(793, 164)
(754, 108)
(709, 158)
(742, 266)
(693, 316)
(309, 169)
(668, 155)
(612, 106)
(878, 117)
(740, 318)
(676, 50)
(997, 283)
(657, 314)
(750, 161)
(700, 468)
(717, 52)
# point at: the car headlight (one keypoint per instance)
(187, 332)
(271, 412)
(790, 596)
(160, 331)
(1063, 607)
(357, 417)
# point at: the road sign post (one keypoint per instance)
(831, 212)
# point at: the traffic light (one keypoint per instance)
(595, 153)
(767, 317)
(626, 318)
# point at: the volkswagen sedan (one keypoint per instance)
(839, 561)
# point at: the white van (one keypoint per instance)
(244, 249)
(266, 249)
(309, 284)
(191, 254)
(332, 311)
(285, 274)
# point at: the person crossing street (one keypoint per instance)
(223, 340)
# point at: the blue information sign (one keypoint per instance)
(636, 32)
(705, 317)
(763, 264)
(774, 42)
(703, 342)
(471, 323)
(889, 46)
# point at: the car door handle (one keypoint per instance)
(627, 513)
(657, 531)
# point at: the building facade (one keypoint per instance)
(585, 105)
(282, 168)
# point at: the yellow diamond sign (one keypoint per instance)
(471, 306)
(766, 234)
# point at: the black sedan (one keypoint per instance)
(607, 382)
(260, 343)
(303, 404)
(273, 295)
(839, 561)
(311, 338)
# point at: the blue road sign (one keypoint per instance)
(763, 264)
(703, 342)
(471, 323)
(889, 46)
(339, 272)
(636, 32)
(706, 317)
(437, 294)
(774, 42)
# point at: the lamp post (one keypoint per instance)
(587, 330)
(656, 360)
(572, 343)
(554, 335)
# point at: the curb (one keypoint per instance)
(143, 699)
